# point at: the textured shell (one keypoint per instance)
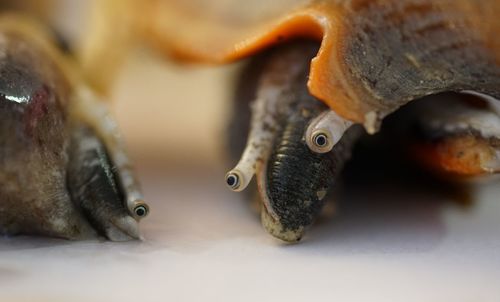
(375, 55)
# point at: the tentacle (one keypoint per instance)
(278, 77)
(92, 184)
(89, 109)
(258, 144)
(325, 131)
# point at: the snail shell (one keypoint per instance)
(374, 57)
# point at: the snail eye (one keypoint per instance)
(232, 180)
(320, 140)
(141, 211)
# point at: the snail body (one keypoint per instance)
(292, 180)
(59, 174)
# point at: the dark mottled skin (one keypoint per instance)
(296, 174)
(408, 49)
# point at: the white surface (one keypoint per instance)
(206, 244)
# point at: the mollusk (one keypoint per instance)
(63, 170)
(372, 57)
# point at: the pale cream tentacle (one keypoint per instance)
(325, 131)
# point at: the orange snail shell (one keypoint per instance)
(375, 55)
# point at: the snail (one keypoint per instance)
(63, 169)
(293, 174)
(322, 69)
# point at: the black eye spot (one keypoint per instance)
(232, 181)
(320, 140)
(141, 211)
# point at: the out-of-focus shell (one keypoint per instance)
(375, 55)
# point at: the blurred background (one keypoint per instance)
(391, 237)
(169, 114)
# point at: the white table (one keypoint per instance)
(204, 243)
